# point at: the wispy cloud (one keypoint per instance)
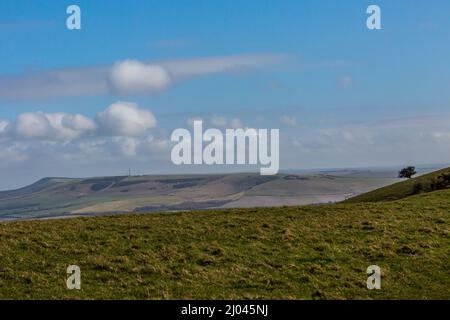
(289, 120)
(343, 82)
(25, 25)
(170, 43)
(428, 26)
(124, 77)
(416, 140)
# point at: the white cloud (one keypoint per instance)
(223, 123)
(127, 146)
(400, 137)
(130, 77)
(289, 121)
(190, 121)
(421, 140)
(32, 125)
(219, 121)
(78, 122)
(125, 119)
(90, 148)
(68, 126)
(3, 126)
(155, 144)
(236, 123)
(52, 126)
(119, 119)
(442, 135)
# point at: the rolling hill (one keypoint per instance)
(55, 197)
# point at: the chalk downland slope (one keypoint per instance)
(434, 181)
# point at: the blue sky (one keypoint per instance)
(334, 78)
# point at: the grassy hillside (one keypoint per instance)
(437, 180)
(291, 252)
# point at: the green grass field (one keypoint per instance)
(309, 252)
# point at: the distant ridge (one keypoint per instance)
(41, 184)
(53, 197)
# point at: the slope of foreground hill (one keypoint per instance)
(282, 253)
(429, 182)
